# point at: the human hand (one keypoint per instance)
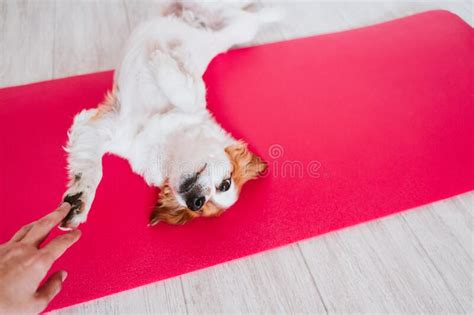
(23, 265)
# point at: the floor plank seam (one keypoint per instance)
(312, 278)
(184, 294)
(433, 263)
(124, 3)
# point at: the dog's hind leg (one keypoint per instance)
(182, 85)
(240, 26)
(88, 140)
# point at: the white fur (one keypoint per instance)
(159, 121)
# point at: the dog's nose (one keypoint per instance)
(195, 203)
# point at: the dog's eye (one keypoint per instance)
(225, 185)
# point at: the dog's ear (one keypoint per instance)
(169, 210)
(246, 165)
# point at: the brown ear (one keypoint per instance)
(169, 210)
(246, 165)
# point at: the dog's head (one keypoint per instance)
(211, 185)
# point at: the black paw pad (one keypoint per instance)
(76, 205)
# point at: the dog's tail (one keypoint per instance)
(216, 15)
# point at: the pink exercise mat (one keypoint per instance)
(355, 126)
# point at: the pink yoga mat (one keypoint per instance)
(355, 126)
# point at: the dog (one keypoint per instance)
(155, 116)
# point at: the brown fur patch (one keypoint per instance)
(169, 210)
(246, 165)
(174, 8)
(200, 17)
(108, 105)
(211, 210)
(174, 43)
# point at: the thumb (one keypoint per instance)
(51, 287)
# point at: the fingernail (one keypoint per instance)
(63, 276)
(65, 204)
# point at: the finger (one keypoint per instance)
(43, 226)
(57, 246)
(51, 287)
(20, 234)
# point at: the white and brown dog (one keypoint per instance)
(156, 116)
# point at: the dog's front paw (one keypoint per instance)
(77, 214)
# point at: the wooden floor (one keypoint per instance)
(417, 261)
